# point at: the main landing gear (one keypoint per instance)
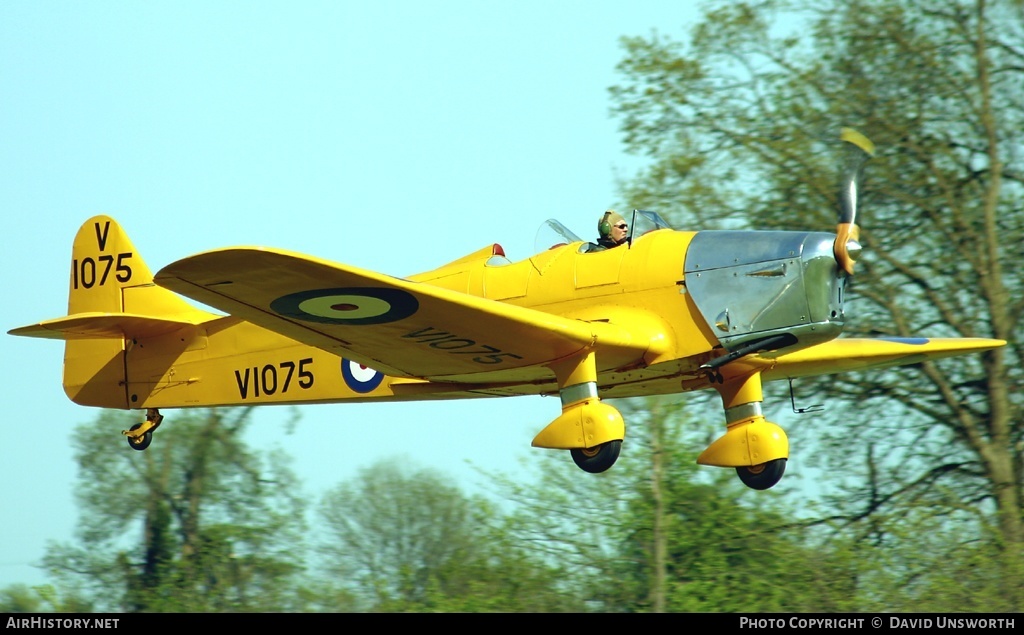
(592, 431)
(140, 435)
(757, 448)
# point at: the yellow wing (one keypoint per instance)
(398, 327)
(850, 354)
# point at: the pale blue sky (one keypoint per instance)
(393, 135)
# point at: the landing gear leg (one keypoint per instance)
(758, 449)
(140, 435)
(592, 431)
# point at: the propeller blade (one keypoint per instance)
(859, 151)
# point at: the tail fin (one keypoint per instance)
(111, 300)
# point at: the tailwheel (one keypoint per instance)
(140, 443)
(140, 440)
(598, 458)
(762, 476)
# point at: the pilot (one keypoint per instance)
(612, 229)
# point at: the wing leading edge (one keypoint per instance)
(398, 327)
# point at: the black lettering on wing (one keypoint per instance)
(243, 384)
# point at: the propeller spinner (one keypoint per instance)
(847, 232)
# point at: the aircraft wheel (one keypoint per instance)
(143, 443)
(597, 459)
(762, 476)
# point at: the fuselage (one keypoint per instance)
(661, 309)
(707, 293)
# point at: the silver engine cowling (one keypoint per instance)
(752, 286)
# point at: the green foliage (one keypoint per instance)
(728, 548)
(921, 562)
(195, 523)
(20, 598)
(658, 533)
(403, 540)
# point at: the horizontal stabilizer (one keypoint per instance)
(98, 325)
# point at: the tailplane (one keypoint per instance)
(112, 301)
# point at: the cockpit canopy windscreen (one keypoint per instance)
(554, 234)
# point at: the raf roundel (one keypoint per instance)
(359, 378)
(352, 306)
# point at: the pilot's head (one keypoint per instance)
(613, 227)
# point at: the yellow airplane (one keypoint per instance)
(669, 311)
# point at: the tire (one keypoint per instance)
(597, 459)
(763, 476)
(142, 443)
